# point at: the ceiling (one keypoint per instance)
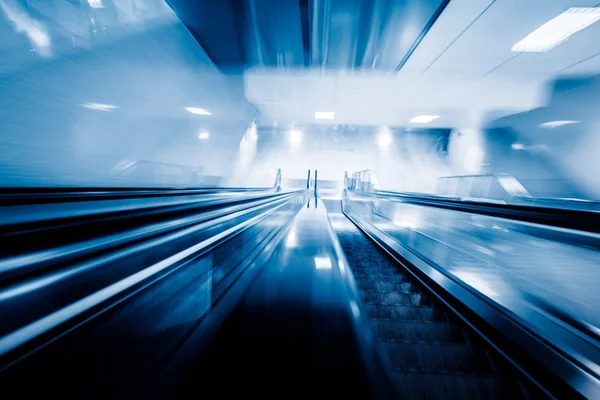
(331, 34)
(463, 70)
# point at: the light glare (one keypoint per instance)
(203, 135)
(95, 3)
(323, 262)
(295, 137)
(325, 115)
(99, 106)
(558, 30)
(518, 146)
(197, 111)
(384, 139)
(423, 119)
(554, 124)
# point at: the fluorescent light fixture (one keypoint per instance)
(557, 30)
(518, 146)
(295, 137)
(384, 139)
(99, 106)
(324, 115)
(554, 124)
(203, 135)
(323, 262)
(96, 3)
(423, 119)
(197, 111)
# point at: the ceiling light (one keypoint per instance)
(95, 3)
(324, 115)
(518, 146)
(99, 106)
(554, 124)
(423, 119)
(558, 29)
(295, 137)
(323, 262)
(197, 111)
(203, 135)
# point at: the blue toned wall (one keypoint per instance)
(96, 96)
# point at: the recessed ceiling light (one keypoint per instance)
(99, 106)
(554, 124)
(558, 29)
(197, 111)
(95, 3)
(324, 115)
(203, 135)
(423, 119)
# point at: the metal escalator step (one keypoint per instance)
(378, 277)
(400, 299)
(384, 287)
(413, 332)
(405, 313)
(377, 270)
(434, 386)
(438, 358)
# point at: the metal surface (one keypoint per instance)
(300, 324)
(333, 34)
(432, 353)
(534, 290)
(87, 277)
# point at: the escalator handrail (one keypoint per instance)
(580, 220)
(21, 336)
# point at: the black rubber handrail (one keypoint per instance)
(582, 220)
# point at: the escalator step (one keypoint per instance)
(400, 313)
(434, 386)
(437, 358)
(378, 277)
(384, 287)
(413, 332)
(399, 299)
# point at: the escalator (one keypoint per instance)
(429, 352)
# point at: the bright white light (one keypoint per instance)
(407, 219)
(554, 124)
(295, 137)
(557, 30)
(203, 135)
(197, 111)
(95, 3)
(423, 119)
(324, 115)
(291, 241)
(99, 106)
(323, 262)
(476, 282)
(518, 146)
(384, 139)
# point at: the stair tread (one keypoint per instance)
(421, 332)
(405, 313)
(437, 358)
(440, 386)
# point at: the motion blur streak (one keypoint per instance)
(350, 198)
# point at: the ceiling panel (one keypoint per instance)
(456, 17)
(486, 46)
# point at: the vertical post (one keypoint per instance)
(316, 180)
(308, 180)
(277, 185)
